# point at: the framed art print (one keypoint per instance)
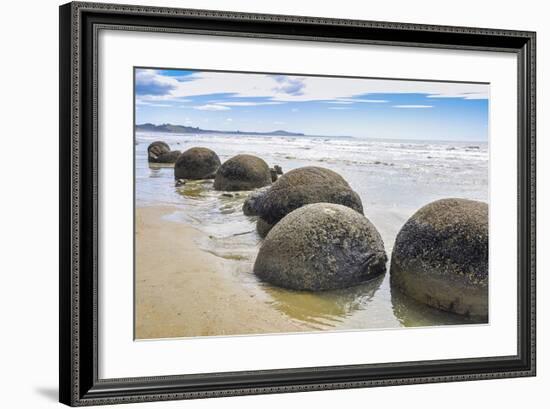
(264, 203)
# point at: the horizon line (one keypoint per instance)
(321, 136)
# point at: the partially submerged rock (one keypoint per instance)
(168, 157)
(321, 246)
(440, 257)
(278, 169)
(250, 205)
(197, 163)
(263, 227)
(155, 149)
(299, 187)
(242, 172)
(273, 174)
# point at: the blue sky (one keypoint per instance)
(360, 107)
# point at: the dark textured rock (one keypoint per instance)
(440, 257)
(168, 157)
(299, 187)
(242, 172)
(197, 163)
(250, 205)
(321, 246)
(263, 227)
(278, 169)
(155, 149)
(273, 174)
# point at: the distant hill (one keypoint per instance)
(169, 128)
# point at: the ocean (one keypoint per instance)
(394, 178)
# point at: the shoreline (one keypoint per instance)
(184, 291)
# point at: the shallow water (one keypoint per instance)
(393, 179)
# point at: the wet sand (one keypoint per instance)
(183, 291)
(196, 249)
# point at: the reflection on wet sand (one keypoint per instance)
(224, 231)
(411, 313)
(321, 310)
(157, 166)
(155, 171)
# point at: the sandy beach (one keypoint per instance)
(195, 248)
(182, 290)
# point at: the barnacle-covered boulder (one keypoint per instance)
(242, 172)
(197, 163)
(321, 246)
(440, 256)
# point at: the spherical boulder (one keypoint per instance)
(197, 163)
(242, 172)
(263, 227)
(155, 149)
(321, 246)
(303, 186)
(250, 205)
(168, 157)
(440, 257)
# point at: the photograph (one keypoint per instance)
(275, 199)
(269, 203)
(268, 200)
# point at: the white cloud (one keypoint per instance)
(160, 105)
(370, 101)
(337, 101)
(246, 104)
(152, 104)
(464, 95)
(348, 101)
(229, 119)
(413, 106)
(339, 108)
(152, 85)
(280, 89)
(294, 109)
(212, 107)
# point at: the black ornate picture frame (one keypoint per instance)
(79, 27)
